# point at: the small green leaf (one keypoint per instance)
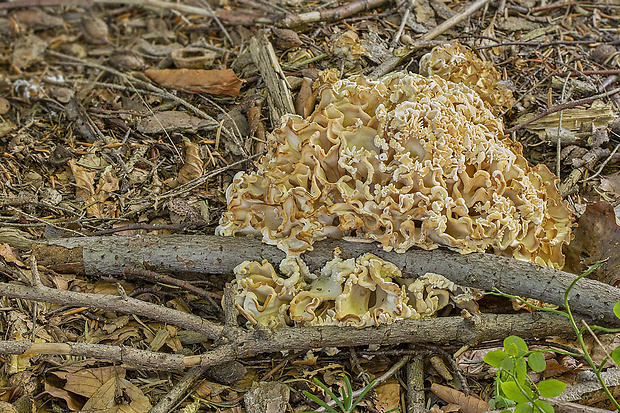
(521, 370)
(544, 406)
(508, 363)
(615, 355)
(515, 346)
(551, 388)
(537, 362)
(513, 392)
(495, 357)
(506, 411)
(499, 402)
(617, 309)
(524, 408)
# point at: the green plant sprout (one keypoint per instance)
(514, 387)
(347, 404)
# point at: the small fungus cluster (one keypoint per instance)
(407, 161)
(361, 292)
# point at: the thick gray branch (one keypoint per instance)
(184, 254)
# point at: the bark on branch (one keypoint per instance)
(197, 255)
(245, 343)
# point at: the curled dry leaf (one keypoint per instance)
(192, 168)
(4, 106)
(94, 29)
(10, 254)
(217, 82)
(469, 404)
(596, 238)
(85, 188)
(306, 98)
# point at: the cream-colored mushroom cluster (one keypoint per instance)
(366, 291)
(458, 64)
(406, 161)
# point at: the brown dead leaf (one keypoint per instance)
(28, 50)
(596, 238)
(10, 254)
(469, 404)
(306, 98)
(73, 402)
(172, 121)
(217, 82)
(192, 168)
(85, 187)
(611, 184)
(87, 382)
(105, 399)
(387, 396)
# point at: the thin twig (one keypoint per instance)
(403, 23)
(600, 169)
(46, 222)
(558, 148)
(587, 326)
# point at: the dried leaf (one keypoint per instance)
(217, 82)
(28, 50)
(387, 396)
(10, 254)
(469, 404)
(36, 19)
(85, 187)
(596, 238)
(105, 399)
(192, 168)
(173, 121)
(611, 184)
(73, 402)
(5, 105)
(306, 98)
(86, 382)
(94, 29)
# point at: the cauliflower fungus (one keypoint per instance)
(361, 292)
(405, 161)
(457, 64)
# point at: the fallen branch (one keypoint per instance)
(200, 255)
(245, 343)
(330, 15)
(107, 302)
(561, 107)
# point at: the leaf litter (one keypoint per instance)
(149, 100)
